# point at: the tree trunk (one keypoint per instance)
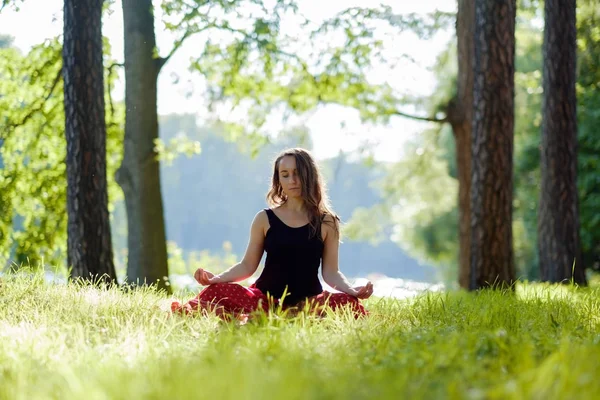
(558, 217)
(139, 175)
(492, 260)
(460, 116)
(89, 243)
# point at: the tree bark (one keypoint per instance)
(492, 260)
(89, 243)
(138, 174)
(460, 116)
(558, 216)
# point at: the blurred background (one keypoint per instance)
(385, 151)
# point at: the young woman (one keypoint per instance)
(299, 232)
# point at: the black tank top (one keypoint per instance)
(293, 260)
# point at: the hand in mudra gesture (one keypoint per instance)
(204, 277)
(363, 292)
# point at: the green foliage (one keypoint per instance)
(33, 148)
(259, 67)
(528, 83)
(420, 192)
(181, 144)
(186, 263)
(13, 3)
(528, 119)
(426, 214)
(541, 342)
(250, 62)
(424, 195)
(588, 114)
(32, 184)
(431, 233)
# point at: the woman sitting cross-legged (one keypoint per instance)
(299, 233)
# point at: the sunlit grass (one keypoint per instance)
(69, 342)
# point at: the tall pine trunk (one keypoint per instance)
(558, 216)
(89, 244)
(139, 175)
(492, 260)
(460, 116)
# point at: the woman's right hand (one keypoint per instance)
(204, 277)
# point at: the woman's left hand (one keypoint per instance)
(363, 292)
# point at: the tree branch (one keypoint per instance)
(115, 65)
(111, 68)
(304, 67)
(188, 32)
(279, 51)
(54, 84)
(163, 60)
(39, 108)
(418, 118)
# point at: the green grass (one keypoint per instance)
(70, 342)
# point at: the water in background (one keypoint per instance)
(383, 286)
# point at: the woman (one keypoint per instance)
(298, 233)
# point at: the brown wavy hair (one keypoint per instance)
(313, 190)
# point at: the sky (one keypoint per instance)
(332, 128)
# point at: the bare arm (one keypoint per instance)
(331, 273)
(245, 268)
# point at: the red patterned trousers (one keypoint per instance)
(231, 299)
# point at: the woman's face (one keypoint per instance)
(289, 177)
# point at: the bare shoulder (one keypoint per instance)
(330, 219)
(261, 221)
(328, 227)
